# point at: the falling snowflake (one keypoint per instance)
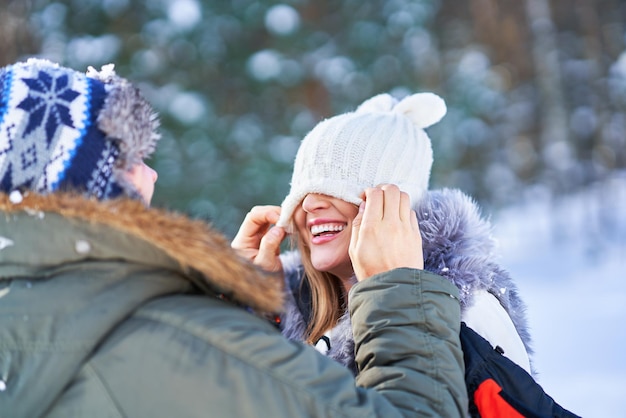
(16, 197)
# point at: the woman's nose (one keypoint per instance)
(153, 174)
(314, 201)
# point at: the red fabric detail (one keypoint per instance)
(490, 404)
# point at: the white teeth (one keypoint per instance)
(320, 229)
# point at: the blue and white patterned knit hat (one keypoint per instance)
(64, 130)
(382, 141)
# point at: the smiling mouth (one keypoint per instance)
(327, 229)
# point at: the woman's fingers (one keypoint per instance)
(405, 210)
(255, 225)
(269, 250)
(385, 233)
(391, 201)
(356, 226)
(258, 241)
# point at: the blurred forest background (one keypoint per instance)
(536, 89)
(535, 130)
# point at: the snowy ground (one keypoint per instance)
(568, 257)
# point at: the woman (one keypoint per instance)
(382, 142)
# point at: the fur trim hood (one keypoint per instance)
(457, 244)
(201, 253)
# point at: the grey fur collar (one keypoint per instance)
(458, 245)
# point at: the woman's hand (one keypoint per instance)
(259, 241)
(385, 233)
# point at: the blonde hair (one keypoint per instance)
(327, 296)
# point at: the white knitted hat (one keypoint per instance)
(383, 141)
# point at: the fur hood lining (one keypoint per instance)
(194, 244)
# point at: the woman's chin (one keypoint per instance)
(339, 269)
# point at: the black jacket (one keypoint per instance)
(497, 387)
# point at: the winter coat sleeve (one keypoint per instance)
(194, 356)
(406, 332)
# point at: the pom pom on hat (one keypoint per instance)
(382, 141)
(380, 103)
(64, 130)
(424, 109)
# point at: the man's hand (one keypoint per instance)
(385, 233)
(259, 241)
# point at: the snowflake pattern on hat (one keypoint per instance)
(49, 137)
(47, 103)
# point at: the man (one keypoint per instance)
(109, 308)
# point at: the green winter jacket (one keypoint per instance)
(110, 309)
